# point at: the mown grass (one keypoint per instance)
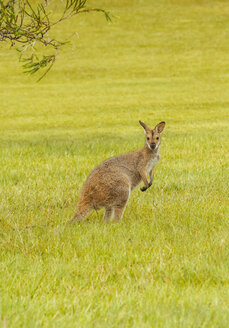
(167, 263)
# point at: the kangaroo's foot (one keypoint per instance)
(75, 219)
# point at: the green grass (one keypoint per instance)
(167, 263)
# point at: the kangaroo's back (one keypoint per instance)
(121, 165)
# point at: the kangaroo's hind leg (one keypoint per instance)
(118, 212)
(120, 206)
(108, 214)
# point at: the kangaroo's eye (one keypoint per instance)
(157, 138)
(147, 138)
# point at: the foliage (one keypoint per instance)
(28, 24)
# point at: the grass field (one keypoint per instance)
(167, 263)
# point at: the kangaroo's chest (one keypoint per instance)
(152, 163)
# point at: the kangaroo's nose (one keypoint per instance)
(152, 145)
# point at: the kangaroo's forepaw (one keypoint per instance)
(150, 184)
(144, 188)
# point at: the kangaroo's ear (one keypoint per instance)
(160, 127)
(145, 127)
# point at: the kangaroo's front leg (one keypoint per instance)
(151, 178)
(144, 179)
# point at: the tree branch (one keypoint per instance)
(23, 26)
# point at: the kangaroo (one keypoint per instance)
(109, 185)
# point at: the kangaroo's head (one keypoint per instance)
(153, 137)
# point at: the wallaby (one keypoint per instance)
(109, 185)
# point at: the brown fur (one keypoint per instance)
(109, 185)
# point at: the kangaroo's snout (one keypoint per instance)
(153, 145)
